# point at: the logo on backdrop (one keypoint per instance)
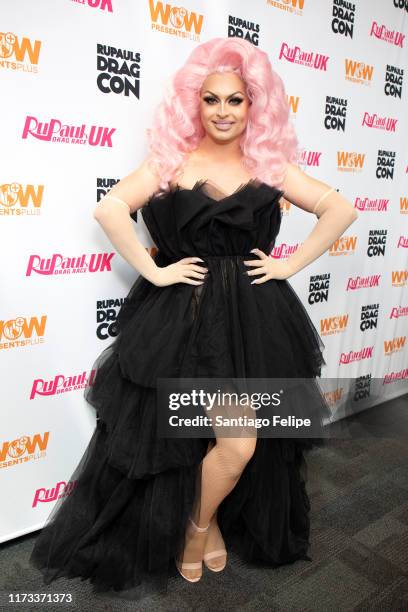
(284, 250)
(18, 200)
(335, 114)
(393, 377)
(359, 355)
(241, 28)
(176, 21)
(103, 185)
(61, 384)
(377, 241)
(23, 449)
(375, 205)
(362, 388)
(311, 59)
(55, 131)
(398, 311)
(319, 286)
(379, 123)
(106, 313)
(390, 36)
(399, 278)
(385, 164)
(401, 4)
(363, 282)
(345, 245)
(394, 78)
(358, 72)
(19, 53)
(369, 317)
(334, 325)
(350, 161)
(103, 5)
(308, 158)
(119, 71)
(402, 242)
(395, 345)
(61, 489)
(292, 6)
(293, 102)
(343, 18)
(58, 264)
(22, 331)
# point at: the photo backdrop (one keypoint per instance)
(80, 81)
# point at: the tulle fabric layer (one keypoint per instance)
(124, 521)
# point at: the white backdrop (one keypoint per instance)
(73, 123)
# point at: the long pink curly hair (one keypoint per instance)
(269, 141)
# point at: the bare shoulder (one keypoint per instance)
(137, 187)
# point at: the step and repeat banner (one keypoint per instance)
(80, 80)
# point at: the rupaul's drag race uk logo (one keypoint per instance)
(102, 5)
(17, 200)
(390, 36)
(310, 59)
(18, 52)
(61, 489)
(363, 282)
(374, 205)
(58, 264)
(309, 159)
(56, 131)
(388, 124)
(62, 384)
(22, 331)
(360, 355)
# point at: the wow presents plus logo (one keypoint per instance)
(19, 53)
(350, 161)
(372, 205)
(369, 317)
(335, 114)
(399, 278)
(18, 200)
(395, 345)
(241, 28)
(23, 449)
(61, 384)
(334, 325)
(103, 5)
(118, 71)
(358, 72)
(385, 164)
(310, 59)
(403, 206)
(175, 20)
(56, 131)
(345, 245)
(319, 285)
(61, 489)
(343, 18)
(289, 6)
(106, 313)
(293, 103)
(22, 331)
(58, 264)
(394, 79)
(390, 36)
(377, 122)
(377, 241)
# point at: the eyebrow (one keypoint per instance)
(233, 94)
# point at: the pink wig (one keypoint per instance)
(269, 140)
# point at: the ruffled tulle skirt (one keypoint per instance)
(125, 518)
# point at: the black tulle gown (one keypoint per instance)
(125, 519)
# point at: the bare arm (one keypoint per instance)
(113, 215)
(335, 214)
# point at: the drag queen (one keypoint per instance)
(210, 303)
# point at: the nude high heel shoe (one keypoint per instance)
(215, 554)
(198, 564)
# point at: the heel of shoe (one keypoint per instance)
(197, 564)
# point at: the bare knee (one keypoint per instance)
(236, 453)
